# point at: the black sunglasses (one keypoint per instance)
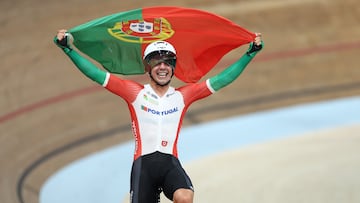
(158, 57)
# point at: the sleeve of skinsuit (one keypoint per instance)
(84, 65)
(126, 89)
(232, 72)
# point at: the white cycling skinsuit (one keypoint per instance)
(156, 121)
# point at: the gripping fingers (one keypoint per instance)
(61, 34)
(258, 39)
(63, 39)
(256, 45)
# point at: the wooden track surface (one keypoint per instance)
(50, 114)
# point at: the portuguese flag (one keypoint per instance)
(200, 38)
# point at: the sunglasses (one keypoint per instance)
(161, 57)
(170, 61)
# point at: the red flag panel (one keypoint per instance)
(200, 38)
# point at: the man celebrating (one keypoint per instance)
(157, 110)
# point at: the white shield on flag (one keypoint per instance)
(142, 27)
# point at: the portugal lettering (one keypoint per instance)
(160, 113)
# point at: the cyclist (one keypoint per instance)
(157, 110)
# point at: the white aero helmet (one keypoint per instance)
(159, 46)
(159, 52)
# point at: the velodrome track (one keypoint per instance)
(51, 115)
(268, 146)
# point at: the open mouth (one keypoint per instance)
(162, 74)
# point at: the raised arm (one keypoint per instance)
(228, 75)
(62, 40)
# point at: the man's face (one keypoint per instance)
(162, 73)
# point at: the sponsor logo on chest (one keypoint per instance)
(152, 98)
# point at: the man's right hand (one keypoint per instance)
(62, 39)
(61, 34)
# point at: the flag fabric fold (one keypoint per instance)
(200, 38)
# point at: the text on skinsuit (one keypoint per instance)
(160, 113)
(133, 126)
